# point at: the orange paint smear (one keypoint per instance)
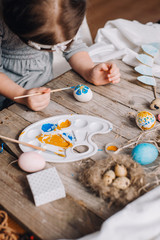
(21, 133)
(59, 154)
(144, 114)
(56, 140)
(112, 148)
(143, 128)
(65, 124)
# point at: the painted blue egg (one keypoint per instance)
(82, 93)
(145, 153)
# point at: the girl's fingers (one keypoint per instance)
(46, 90)
(102, 67)
(42, 101)
(39, 106)
(112, 70)
(112, 67)
(39, 90)
(115, 78)
(116, 73)
(39, 102)
(116, 81)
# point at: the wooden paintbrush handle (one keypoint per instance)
(29, 95)
(23, 143)
(35, 94)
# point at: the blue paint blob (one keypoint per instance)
(69, 136)
(145, 153)
(100, 150)
(48, 127)
(78, 92)
(81, 88)
(85, 89)
(1, 148)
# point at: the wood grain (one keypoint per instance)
(81, 212)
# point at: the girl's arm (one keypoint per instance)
(10, 89)
(99, 74)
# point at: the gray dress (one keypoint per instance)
(26, 66)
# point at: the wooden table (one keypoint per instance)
(81, 212)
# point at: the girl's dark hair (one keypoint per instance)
(44, 21)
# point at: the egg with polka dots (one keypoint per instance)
(145, 120)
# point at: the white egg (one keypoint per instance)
(31, 161)
(82, 93)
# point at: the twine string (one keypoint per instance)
(6, 233)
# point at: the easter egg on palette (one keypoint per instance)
(31, 161)
(145, 120)
(82, 93)
(145, 153)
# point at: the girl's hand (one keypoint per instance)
(104, 73)
(38, 102)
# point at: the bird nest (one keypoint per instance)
(93, 176)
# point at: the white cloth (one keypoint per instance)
(139, 220)
(122, 39)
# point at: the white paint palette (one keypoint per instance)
(78, 132)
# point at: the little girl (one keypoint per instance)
(30, 32)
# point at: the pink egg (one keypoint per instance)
(31, 161)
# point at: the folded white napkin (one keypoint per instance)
(139, 220)
(122, 39)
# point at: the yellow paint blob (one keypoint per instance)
(59, 154)
(112, 148)
(21, 133)
(56, 140)
(65, 124)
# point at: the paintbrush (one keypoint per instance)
(38, 93)
(7, 148)
(30, 145)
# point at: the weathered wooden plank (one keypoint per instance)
(116, 103)
(68, 174)
(50, 221)
(68, 171)
(134, 97)
(103, 107)
(128, 92)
